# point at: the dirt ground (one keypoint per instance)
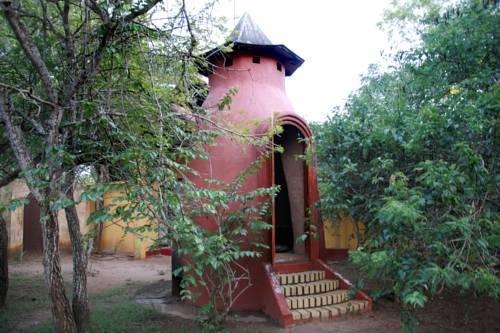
(150, 277)
(105, 271)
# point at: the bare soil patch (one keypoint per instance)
(147, 281)
(452, 311)
(105, 271)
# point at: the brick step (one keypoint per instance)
(310, 288)
(301, 277)
(312, 301)
(329, 311)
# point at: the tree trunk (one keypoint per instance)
(4, 244)
(4, 261)
(61, 310)
(80, 303)
(103, 177)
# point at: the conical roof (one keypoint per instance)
(248, 37)
(247, 32)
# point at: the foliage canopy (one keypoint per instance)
(414, 156)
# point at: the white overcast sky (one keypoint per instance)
(337, 38)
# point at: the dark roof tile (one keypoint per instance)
(248, 37)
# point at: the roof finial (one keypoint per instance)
(234, 12)
(247, 32)
(247, 37)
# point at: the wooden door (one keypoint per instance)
(32, 228)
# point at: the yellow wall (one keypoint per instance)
(341, 234)
(15, 220)
(113, 237)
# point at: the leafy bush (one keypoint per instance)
(414, 156)
(159, 190)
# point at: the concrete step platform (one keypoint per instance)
(312, 301)
(300, 277)
(329, 311)
(310, 288)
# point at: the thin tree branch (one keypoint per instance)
(29, 94)
(110, 26)
(18, 145)
(98, 10)
(6, 179)
(29, 47)
(141, 11)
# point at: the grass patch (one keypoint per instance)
(26, 295)
(115, 311)
(124, 317)
(112, 311)
(121, 317)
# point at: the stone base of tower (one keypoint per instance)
(310, 291)
(299, 292)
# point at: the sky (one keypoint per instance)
(338, 40)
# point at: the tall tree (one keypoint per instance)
(53, 53)
(6, 176)
(4, 266)
(415, 157)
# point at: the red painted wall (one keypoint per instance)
(261, 96)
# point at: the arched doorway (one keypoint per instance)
(32, 228)
(290, 173)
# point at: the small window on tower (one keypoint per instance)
(278, 66)
(228, 62)
(256, 60)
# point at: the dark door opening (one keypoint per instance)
(32, 228)
(284, 230)
(289, 209)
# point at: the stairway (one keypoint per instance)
(311, 296)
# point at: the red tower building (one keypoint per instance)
(289, 272)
